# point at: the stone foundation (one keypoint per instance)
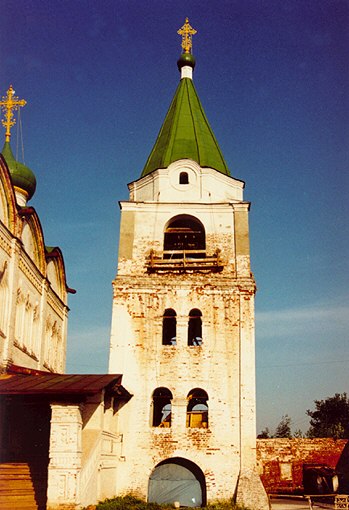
(250, 491)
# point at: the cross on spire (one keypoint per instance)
(9, 104)
(186, 31)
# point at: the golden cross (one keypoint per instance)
(9, 104)
(186, 32)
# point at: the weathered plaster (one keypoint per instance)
(223, 366)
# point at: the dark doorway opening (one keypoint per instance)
(25, 440)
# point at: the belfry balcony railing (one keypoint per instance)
(184, 260)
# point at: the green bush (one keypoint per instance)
(132, 503)
(226, 504)
(129, 503)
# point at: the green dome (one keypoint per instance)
(186, 59)
(21, 176)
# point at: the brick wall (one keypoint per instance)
(281, 461)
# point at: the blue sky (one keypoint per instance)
(273, 79)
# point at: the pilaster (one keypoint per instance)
(12, 285)
(242, 242)
(247, 382)
(179, 411)
(42, 329)
(63, 492)
(182, 331)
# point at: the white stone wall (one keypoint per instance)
(145, 224)
(204, 185)
(138, 353)
(85, 450)
(223, 366)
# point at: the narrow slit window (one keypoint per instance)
(183, 178)
(197, 409)
(169, 327)
(162, 398)
(195, 327)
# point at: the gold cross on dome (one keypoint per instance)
(9, 104)
(186, 32)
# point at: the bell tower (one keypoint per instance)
(183, 318)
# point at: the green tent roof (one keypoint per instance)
(186, 134)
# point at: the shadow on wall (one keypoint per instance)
(342, 469)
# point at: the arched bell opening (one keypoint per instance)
(184, 236)
(161, 407)
(169, 327)
(195, 327)
(197, 409)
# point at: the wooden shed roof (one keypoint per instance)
(33, 382)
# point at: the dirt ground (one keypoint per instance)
(297, 504)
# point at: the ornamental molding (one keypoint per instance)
(55, 302)
(19, 296)
(2, 273)
(25, 350)
(30, 272)
(5, 241)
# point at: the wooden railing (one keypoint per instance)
(341, 501)
(335, 501)
(183, 260)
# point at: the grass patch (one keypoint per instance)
(132, 503)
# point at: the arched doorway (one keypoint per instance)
(179, 480)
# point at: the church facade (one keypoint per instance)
(33, 289)
(183, 318)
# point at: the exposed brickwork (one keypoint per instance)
(280, 461)
(222, 366)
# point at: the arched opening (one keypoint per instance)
(162, 407)
(177, 480)
(169, 327)
(195, 327)
(183, 178)
(184, 235)
(197, 409)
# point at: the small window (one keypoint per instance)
(183, 178)
(197, 409)
(162, 407)
(285, 470)
(169, 326)
(195, 327)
